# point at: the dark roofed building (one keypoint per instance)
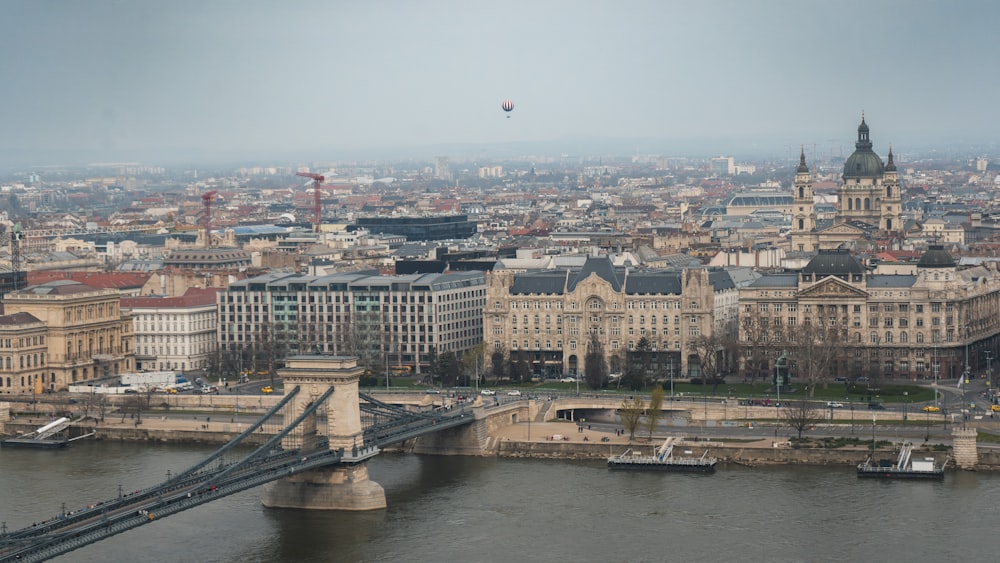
(547, 318)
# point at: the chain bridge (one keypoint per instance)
(302, 465)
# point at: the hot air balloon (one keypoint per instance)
(507, 106)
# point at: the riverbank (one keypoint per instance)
(544, 440)
(549, 440)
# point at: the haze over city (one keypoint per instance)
(168, 81)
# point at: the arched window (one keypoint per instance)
(802, 224)
(920, 338)
(857, 203)
(850, 204)
(868, 204)
(903, 337)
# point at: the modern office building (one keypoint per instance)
(403, 320)
(439, 227)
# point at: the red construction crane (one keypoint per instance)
(206, 200)
(317, 181)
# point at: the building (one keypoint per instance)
(174, 333)
(438, 227)
(869, 201)
(914, 326)
(405, 320)
(722, 166)
(23, 355)
(86, 334)
(549, 318)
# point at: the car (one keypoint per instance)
(841, 380)
(834, 405)
(876, 407)
(995, 408)
(568, 380)
(514, 393)
(266, 389)
(487, 392)
(931, 408)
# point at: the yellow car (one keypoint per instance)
(266, 389)
(995, 408)
(931, 408)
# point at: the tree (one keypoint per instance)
(594, 365)
(499, 361)
(799, 415)
(472, 361)
(366, 333)
(450, 368)
(814, 349)
(756, 341)
(709, 351)
(631, 413)
(654, 411)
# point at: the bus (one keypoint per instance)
(399, 371)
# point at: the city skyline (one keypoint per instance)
(228, 80)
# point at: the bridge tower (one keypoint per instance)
(339, 487)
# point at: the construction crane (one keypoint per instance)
(18, 279)
(317, 181)
(206, 200)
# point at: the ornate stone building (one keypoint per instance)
(869, 200)
(86, 334)
(548, 318)
(889, 325)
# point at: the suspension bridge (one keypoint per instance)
(303, 464)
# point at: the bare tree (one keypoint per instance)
(756, 340)
(814, 349)
(365, 338)
(472, 361)
(654, 411)
(709, 351)
(631, 413)
(799, 415)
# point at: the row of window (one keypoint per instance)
(872, 308)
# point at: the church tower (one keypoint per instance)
(803, 214)
(892, 201)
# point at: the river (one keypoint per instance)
(491, 509)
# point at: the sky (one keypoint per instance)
(160, 80)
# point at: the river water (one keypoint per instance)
(475, 509)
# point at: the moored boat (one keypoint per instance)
(905, 467)
(663, 460)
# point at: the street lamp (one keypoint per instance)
(989, 372)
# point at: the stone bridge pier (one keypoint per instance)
(340, 487)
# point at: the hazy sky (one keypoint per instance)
(123, 78)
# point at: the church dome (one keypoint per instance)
(863, 163)
(936, 257)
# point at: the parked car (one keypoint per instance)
(568, 380)
(834, 405)
(514, 393)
